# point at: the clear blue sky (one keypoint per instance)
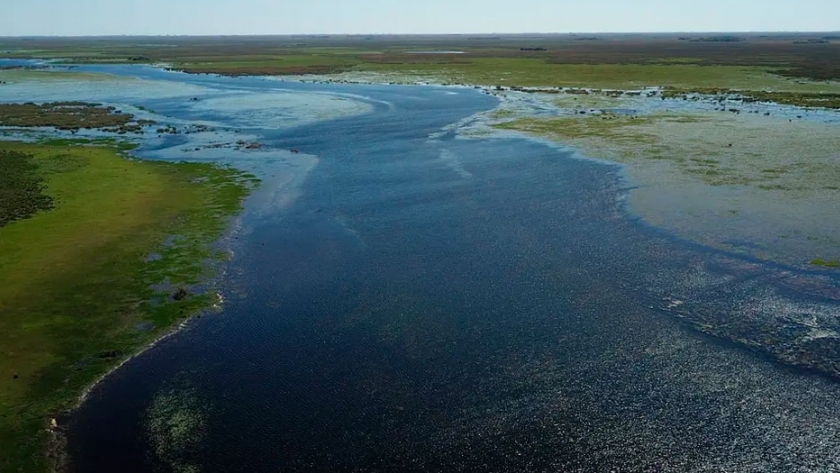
(161, 17)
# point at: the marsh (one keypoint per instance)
(458, 278)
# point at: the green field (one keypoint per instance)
(79, 257)
(535, 73)
(521, 72)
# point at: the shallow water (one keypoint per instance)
(434, 52)
(401, 299)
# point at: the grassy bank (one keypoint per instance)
(89, 272)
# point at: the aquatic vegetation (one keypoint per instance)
(587, 101)
(76, 280)
(718, 149)
(802, 99)
(502, 113)
(70, 116)
(176, 425)
(780, 176)
(826, 264)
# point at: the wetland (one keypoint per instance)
(560, 265)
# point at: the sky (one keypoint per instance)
(244, 17)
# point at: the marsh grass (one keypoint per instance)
(826, 264)
(801, 98)
(679, 77)
(719, 150)
(21, 188)
(71, 116)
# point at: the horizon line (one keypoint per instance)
(245, 35)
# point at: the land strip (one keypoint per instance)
(796, 63)
(102, 256)
(71, 116)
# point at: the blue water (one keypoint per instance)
(456, 305)
(5, 62)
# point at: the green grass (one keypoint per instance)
(623, 130)
(523, 72)
(826, 264)
(21, 188)
(817, 98)
(120, 145)
(77, 280)
(267, 65)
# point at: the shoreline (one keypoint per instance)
(57, 454)
(667, 157)
(181, 251)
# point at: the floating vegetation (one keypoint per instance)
(175, 426)
(826, 264)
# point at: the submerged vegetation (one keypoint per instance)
(176, 426)
(71, 116)
(90, 278)
(717, 149)
(716, 177)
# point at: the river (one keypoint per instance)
(404, 299)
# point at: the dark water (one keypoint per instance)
(459, 305)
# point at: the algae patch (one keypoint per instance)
(826, 264)
(175, 425)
